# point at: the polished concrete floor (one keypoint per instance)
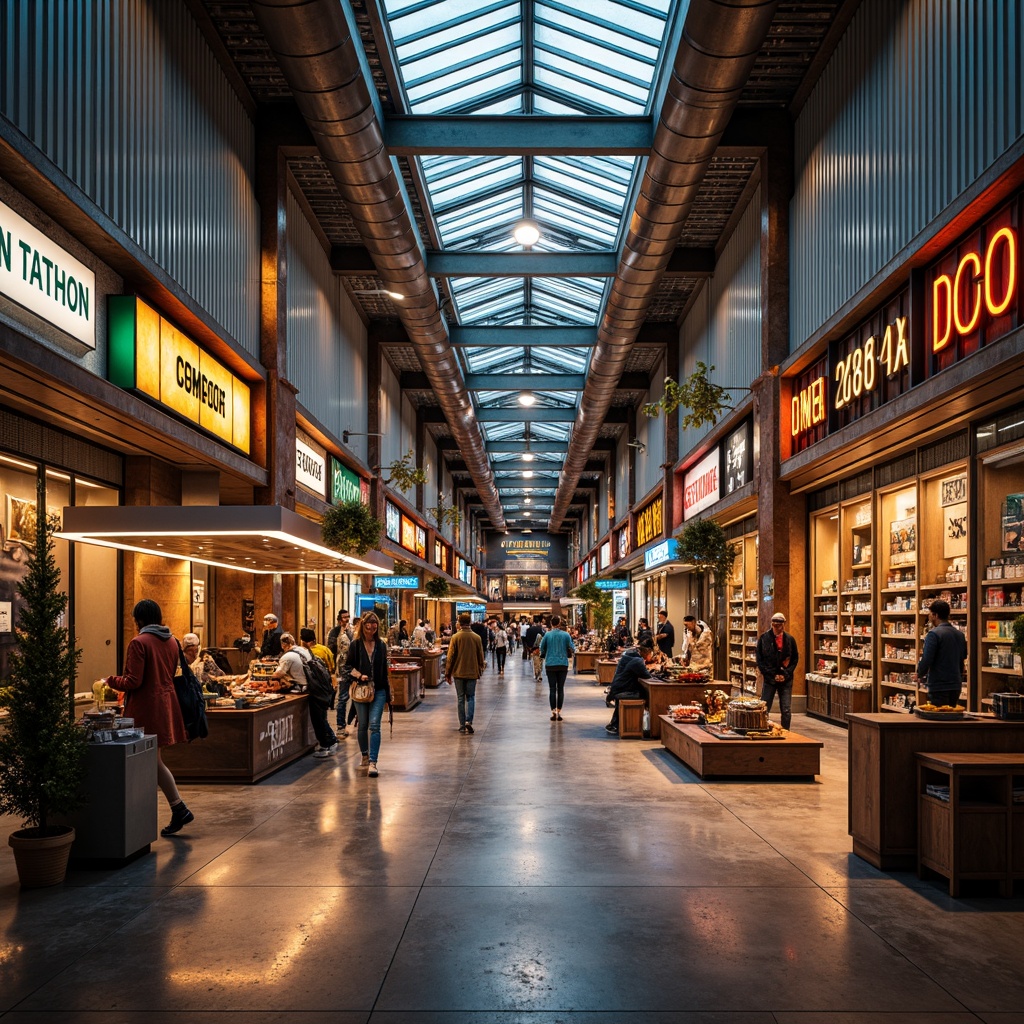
(535, 872)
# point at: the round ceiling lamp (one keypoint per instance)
(527, 456)
(527, 512)
(527, 499)
(528, 473)
(525, 398)
(526, 233)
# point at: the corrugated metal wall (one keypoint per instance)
(127, 99)
(652, 433)
(723, 329)
(326, 339)
(621, 477)
(918, 99)
(398, 423)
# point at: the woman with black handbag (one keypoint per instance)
(367, 662)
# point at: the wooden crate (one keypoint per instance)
(817, 697)
(631, 719)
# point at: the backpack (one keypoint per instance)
(190, 700)
(319, 684)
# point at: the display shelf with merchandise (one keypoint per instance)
(742, 616)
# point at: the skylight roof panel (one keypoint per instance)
(445, 23)
(448, 60)
(600, 90)
(502, 431)
(609, 25)
(482, 360)
(550, 431)
(591, 228)
(577, 56)
(482, 178)
(561, 360)
(467, 85)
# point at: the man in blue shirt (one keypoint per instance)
(941, 667)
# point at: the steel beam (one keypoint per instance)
(522, 264)
(526, 135)
(525, 381)
(501, 337)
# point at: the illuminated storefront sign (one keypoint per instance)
(606, 554)
(408, 540)
(739, 460)
(650, 522)
(392, 522)
(623, 542)
(809, 407)
(612, 584)
(862, 369)
(149, 354)
(46, 279)
(396, 582)
(701, 485)
(346, 485)
(666, 551)
(310, 468)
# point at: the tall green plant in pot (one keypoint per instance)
(42, 750)
(704, 544)
(599, 606)
(351, 528)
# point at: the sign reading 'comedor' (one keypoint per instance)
(44, 278)
(149, 354)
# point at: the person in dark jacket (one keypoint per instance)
(632, 667)
(643, 633)
(271, 646)
(941, 667)
(665, 638)
(777, 656)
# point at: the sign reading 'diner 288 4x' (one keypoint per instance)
(149, 354)
(44, 278)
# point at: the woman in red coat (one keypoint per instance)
(150, 664)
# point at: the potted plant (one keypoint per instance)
(351, 528)
(42, 750)
(437, 587)
(599, 606)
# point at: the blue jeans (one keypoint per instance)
(466, 690)
(785, 691)
(499, 653)
(369, 716)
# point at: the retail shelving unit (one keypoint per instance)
(742, 615)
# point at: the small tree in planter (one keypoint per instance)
(351, 528)
(42, 751)
(599, 606)
(703, 542)
(437, 588)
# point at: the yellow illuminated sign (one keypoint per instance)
(150, 354)
(650, 523)
(809, 407)
(973, 287)
(859, 372)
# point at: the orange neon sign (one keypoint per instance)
(809, 408)
(973, 287)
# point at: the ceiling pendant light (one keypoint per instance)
(526, 398)
(528, 473)
(527, 455)
(526, 233)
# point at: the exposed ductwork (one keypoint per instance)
(720, 41)
(320, 61)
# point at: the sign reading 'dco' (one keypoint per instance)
(149, 354)
(46, 279)
(701, 485)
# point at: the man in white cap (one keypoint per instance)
(777, 656)
(205, 669)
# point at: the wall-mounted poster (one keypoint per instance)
(903, 542)
(198, 603)
(954, 534)
(392, 522)
(527, 588)
(421, 542)
(494, 588)
(1013, 523)
(557, 587)
(21, 519)
(953, 490)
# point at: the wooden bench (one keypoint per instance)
(631, 719)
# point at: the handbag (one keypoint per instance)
(361, 691)
(190, 699)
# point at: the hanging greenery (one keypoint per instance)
(437, 587)
(351, 528)
(599, 605)
(703, 542)
(705, 402)
(443, 513)
(42, 750)
(401, 474)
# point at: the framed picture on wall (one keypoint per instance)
(21, 519)
(954, 530)
(903, 542)
(1013, 523)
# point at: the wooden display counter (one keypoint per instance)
(246, 744)
(661, 694)
(430, 660)
(586, 661)
(606, 669)
(882, 774)
(405, 685)
(709, 756)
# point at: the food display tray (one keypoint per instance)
(940, 716)
(716, 731)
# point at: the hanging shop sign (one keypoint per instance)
(396, 582)
(346, 485)
(612, 584)
(701, 485)
(46, 279)
(973, 294)
(460, 572)
(392, 522)
(421, 542)
(650, 522)
(310, 468)
(149, 354)
(622, 542)
(739, 457)
(408, 534)
(666, 551)
(468, 606)
(606, 554)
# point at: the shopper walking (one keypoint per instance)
(339, 640)
(556, 648)
(531, 644)
(500, 647)
(368, 662)
(466, 663)
(777, 656)
(150, 664)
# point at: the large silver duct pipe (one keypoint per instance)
(319, 59)
(720, 41)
